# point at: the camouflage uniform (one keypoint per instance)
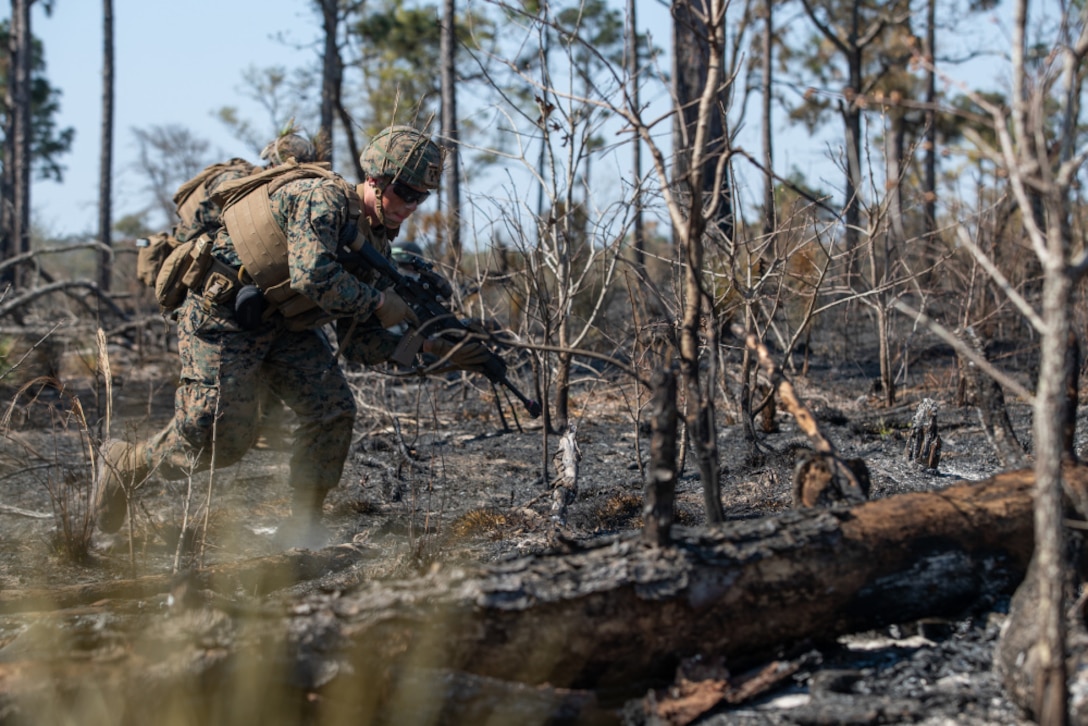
(219, 357)
(225, 366)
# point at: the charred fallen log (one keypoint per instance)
(254, 577)
(612, 616)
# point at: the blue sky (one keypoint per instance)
(175, 63)
(178, 62)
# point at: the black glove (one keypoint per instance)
(249, 307)
(463, 355)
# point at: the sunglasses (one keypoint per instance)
(407, 194)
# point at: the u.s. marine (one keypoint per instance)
(283, 231)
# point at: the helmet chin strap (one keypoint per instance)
(379, 210)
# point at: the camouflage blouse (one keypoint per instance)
(313, 214)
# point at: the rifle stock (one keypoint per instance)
(435, 318)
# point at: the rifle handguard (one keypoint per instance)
(428, 308)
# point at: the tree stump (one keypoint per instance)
(924, 444)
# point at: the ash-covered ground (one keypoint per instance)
(447, 470)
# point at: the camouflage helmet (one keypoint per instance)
(403, 153)
(288, 146)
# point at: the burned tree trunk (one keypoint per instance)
(565, 486)
(1019, 658)
(612, 616)
(1072, 397)
(924, 444)
(987, 397)
(659, 493)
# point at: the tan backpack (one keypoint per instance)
(153, 251)
(190, 194)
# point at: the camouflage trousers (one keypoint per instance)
(223, 371)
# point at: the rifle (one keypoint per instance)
(422, 295)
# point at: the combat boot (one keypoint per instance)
(304, 529)
(121, 469)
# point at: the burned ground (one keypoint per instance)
(439, 476)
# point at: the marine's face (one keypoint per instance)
(394, 209)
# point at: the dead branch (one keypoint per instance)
(701, 687)
(820, 478)
(19, 512)
(23, 257)
(25, 298)
(989, 401)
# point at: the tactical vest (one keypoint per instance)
(261, 243)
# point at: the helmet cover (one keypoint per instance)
(403, 153)
(289, 146)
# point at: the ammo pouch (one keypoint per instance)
(170, 289)
(151, 253)
(192, 266)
